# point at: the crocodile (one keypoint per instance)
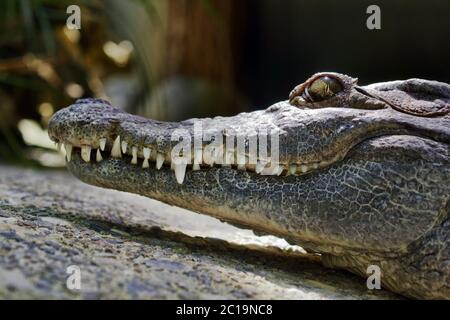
(360, 176)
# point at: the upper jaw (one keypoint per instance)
(85, 123)
(100, 131)
(308, 139)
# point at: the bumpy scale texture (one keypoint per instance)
(364, 179)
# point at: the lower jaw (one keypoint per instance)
(242, 198)
(221, 192)
(316, 209)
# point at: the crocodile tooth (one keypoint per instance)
(260, 166)
(274, 169)
(134, 151)
(323, 163)
(159, 160)
(180, 171)
(195, 167)
(279, 171)
(315, 165)
(102, 143)
(68, 148)
(267, 171)
(58, 146)
(98, 156)
(146, 152)
(303, 168)
(115, 151)
(292, 168)
(86, 153)
(198, 156)
(124, 146)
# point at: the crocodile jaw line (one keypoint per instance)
(304, 146)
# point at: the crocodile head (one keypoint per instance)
(360, 174)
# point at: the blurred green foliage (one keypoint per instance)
(43, 64)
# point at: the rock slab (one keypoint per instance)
(129, 247)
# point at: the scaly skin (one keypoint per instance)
(370, 184)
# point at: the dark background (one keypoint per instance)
(286, 41)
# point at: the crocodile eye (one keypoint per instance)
(323, 88)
